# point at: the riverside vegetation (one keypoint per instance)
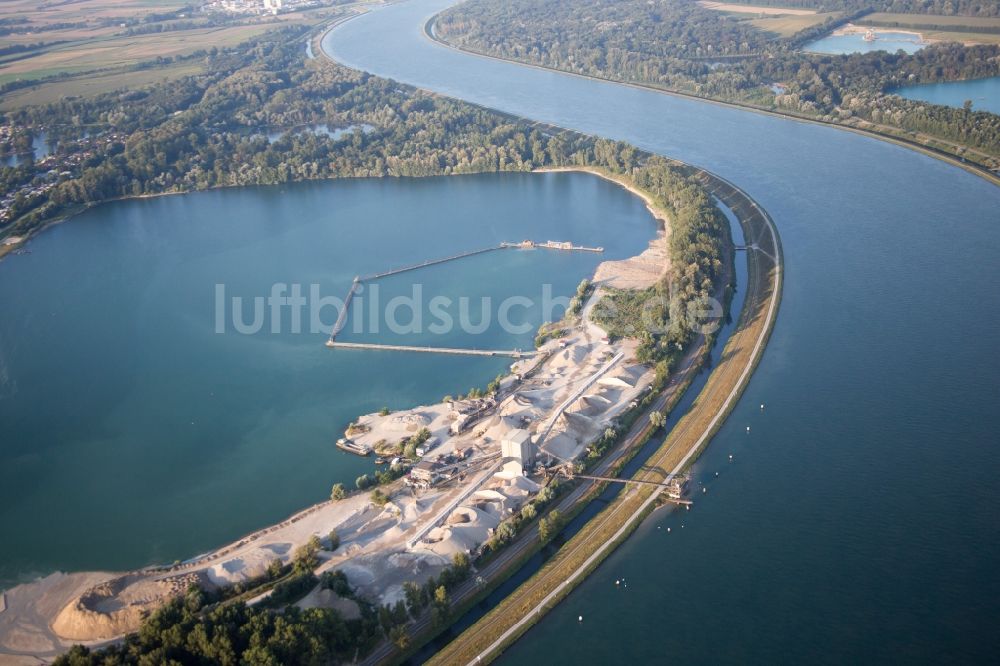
(203, 131)
(684, 47)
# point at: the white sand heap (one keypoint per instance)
(118, 606)
(615, 382)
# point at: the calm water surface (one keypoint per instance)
(860, 519)
(855, 43)
(134, 433)
(984, 93)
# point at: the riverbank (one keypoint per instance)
(883, 134)
(519, 611)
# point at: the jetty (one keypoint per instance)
(550, 245)
(432, 262)
(342, 317)
(513, 353)
(565, 246)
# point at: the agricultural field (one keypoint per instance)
(123, 51)
(75, 10)
(100, 36)
(736, 8)
(966, 29)
(925, 20)
(788, 25)
(89, 85)
(780, 21)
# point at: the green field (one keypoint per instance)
(786, 26)
(88, 86)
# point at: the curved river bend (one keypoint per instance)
(859, 520)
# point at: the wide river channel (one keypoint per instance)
(860, 518)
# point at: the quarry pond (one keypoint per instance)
(145, 432)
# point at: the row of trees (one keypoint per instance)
(685, 47)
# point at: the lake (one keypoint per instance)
(855, 43)
(321, 129)
(984, 93)
(858, 520)
(40, 147)
(135, 432)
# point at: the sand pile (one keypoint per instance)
(118, 606)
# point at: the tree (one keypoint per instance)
(363, 482)
(528, 512)
(410, 450)
(460, 566)
(384, 411)
(379, 498)
(414, 601)
(440, 607)
(657, 419)
(337, 492)
(334, 540)
(549, 526)
(305, 559)
(400, 637)
(194, 598)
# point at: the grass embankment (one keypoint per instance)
(598, 538)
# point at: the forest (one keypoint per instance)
(682, 47)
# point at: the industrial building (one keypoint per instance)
(517, 445)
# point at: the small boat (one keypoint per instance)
(380, 461)
(870, 36)
(351, 446)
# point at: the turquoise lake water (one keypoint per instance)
(984, 93)
(135, 433)
(887, 41)
(858, 521)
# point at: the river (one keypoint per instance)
(858, 520)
